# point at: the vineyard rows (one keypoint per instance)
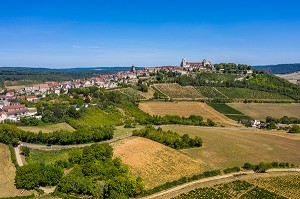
(245, 93)
(235, 189)
(179, 92)
(133, 93)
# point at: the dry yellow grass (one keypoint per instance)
(260, 111)
(7, 175)
(154, 162)
(183, 109)
(228, 147)
(48, 128)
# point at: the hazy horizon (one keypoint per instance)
(70, 34)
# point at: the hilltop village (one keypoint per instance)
(10, 109)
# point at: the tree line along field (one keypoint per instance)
(229, 147)
(234, 189)
(260, 111)
(176, 91)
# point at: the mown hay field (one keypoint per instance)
(183, 109)
(228, 147)
(7, 175)
(178, 92)
(48, 128)
(154, 162)
(260, 111)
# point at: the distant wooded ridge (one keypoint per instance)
(280, 68)
(27, 75)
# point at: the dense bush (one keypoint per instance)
(33, 175)
(231, 170)
(294, 129)
(169, 138)
(263, 166)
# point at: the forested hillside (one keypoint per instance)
(280, 68)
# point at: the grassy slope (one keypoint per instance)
(49, 157)
(227, 147)
(48, 128)
(96, 117)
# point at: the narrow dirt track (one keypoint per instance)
(18, 156)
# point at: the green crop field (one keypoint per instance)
(228, 147)
(210, 92)
(229, 111)
(245, 93)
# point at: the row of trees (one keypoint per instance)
(169, 138)
(10, 134)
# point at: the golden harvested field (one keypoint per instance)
(260, 111)
(288, 186)
(178, 92)
(183, 109)
(228, 147)
(48, 128)
(7, 175)
(154, 162)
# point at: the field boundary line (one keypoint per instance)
(220, 92)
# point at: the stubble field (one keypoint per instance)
(184, 109)
(228, 147)
(154, 162)
(260, 111)
(48, 128)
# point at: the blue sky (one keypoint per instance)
(77, 33)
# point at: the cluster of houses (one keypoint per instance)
(31, 93)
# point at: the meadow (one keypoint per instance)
(154, 162)
(49, 157)
(229, 112)
(229, 147)
(48, 128)
(183, 109)
(260, 111)
(95, 117)
(176, 91)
